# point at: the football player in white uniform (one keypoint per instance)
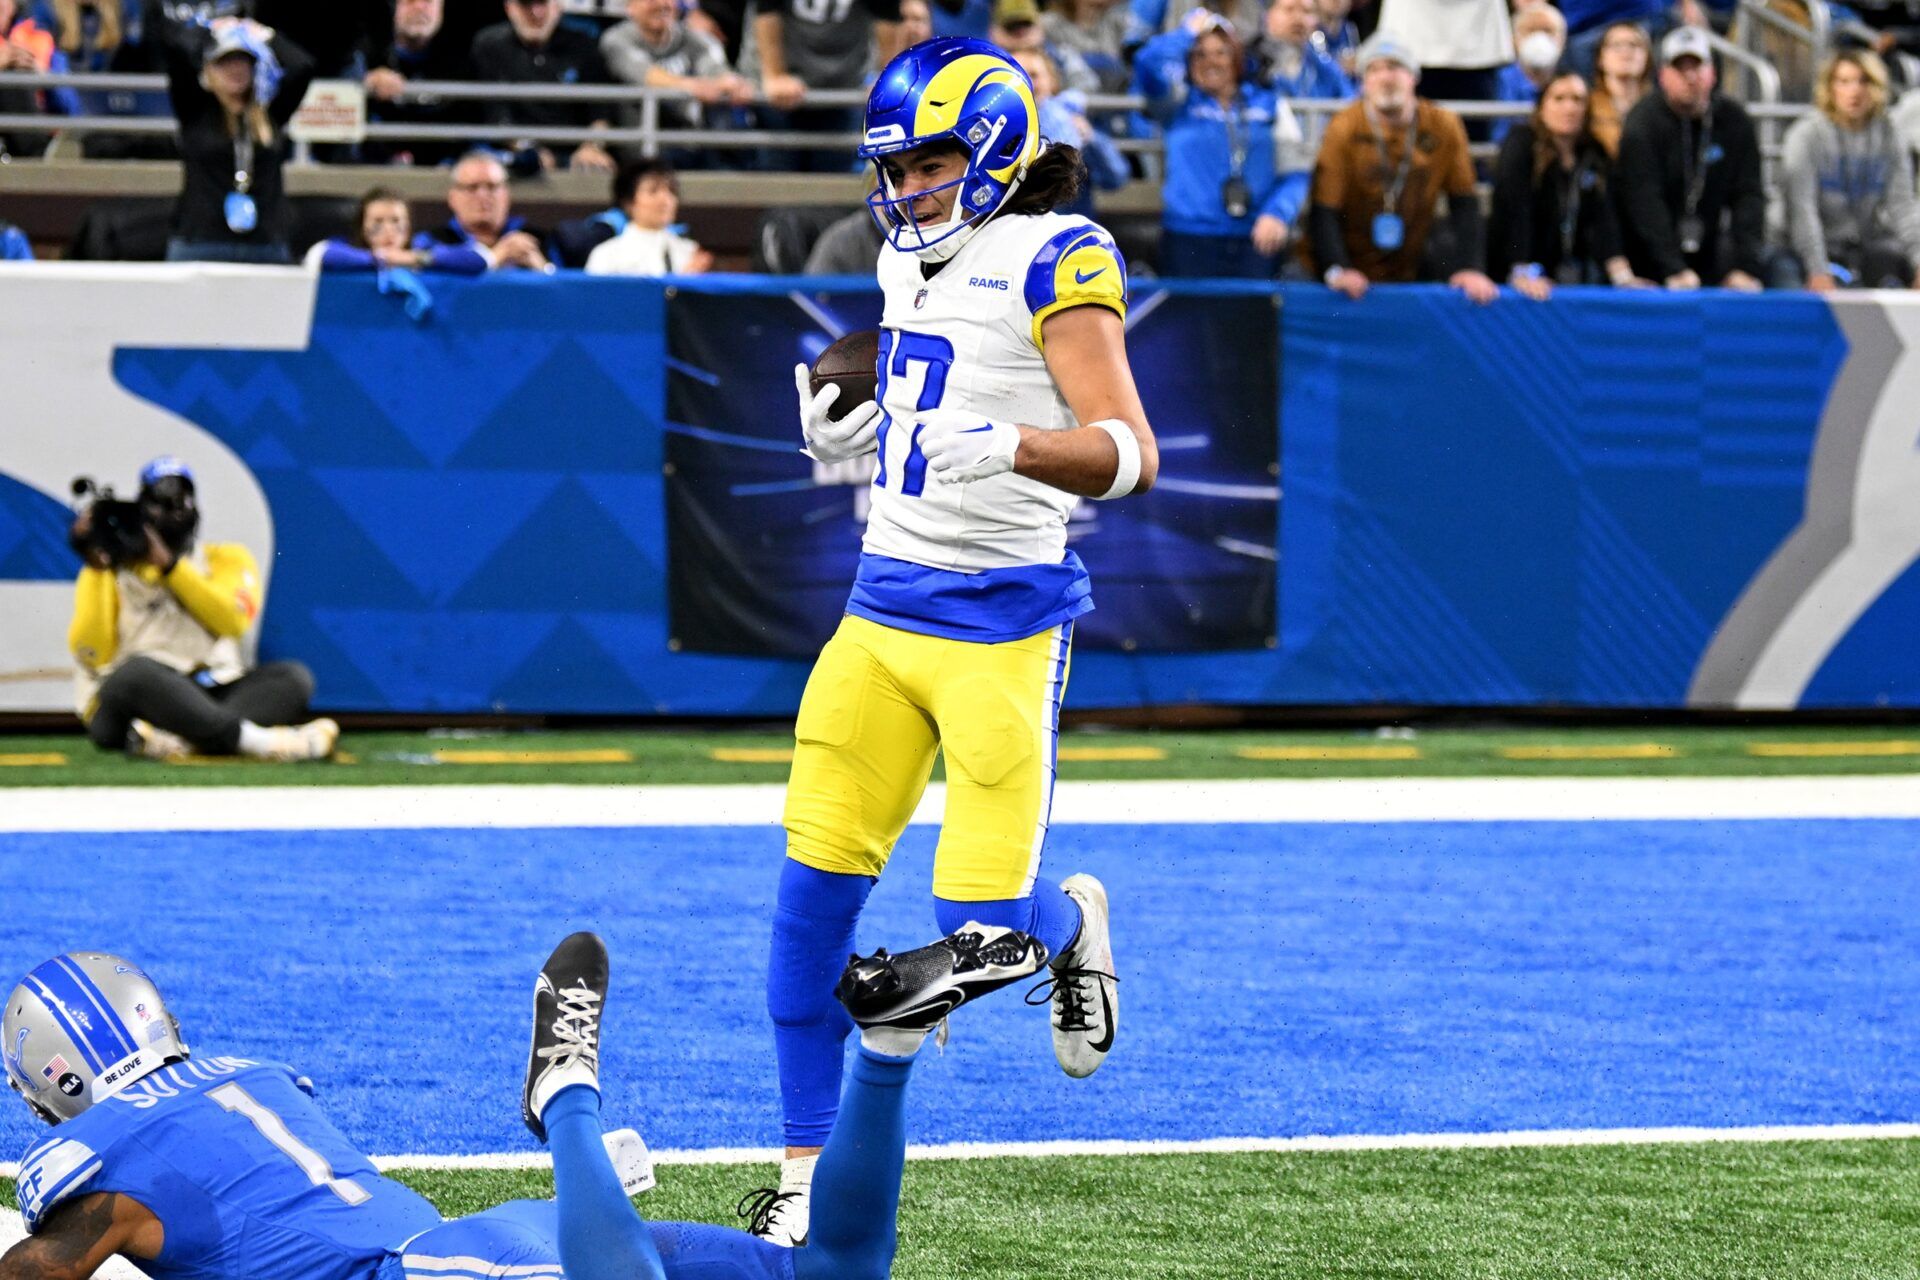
(1005, 397)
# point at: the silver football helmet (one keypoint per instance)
(80, 1028)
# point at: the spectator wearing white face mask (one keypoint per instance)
(1539, 41)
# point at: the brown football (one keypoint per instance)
(852, 363)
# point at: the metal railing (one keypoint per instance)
(653, 133)
(1791, 36)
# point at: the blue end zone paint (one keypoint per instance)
(1278, 979)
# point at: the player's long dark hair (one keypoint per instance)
(1054, 179)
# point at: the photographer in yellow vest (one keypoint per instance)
(156, 631)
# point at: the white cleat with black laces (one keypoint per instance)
(915, 991)
(776, 1215)
(568, 999)
(1083, 990)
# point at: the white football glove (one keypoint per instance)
(829, 441)
(961, 447)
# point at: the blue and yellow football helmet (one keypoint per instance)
(964, 90)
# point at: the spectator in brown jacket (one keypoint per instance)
(1384, 164)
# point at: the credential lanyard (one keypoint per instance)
(1236, 143)
(243, 159)
(1570, 210)
(1392, 190)
(1693, 166)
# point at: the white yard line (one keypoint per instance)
(1220, 1146)
(1238, 1146)
(1259, 801)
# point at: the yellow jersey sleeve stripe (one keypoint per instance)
(1079, 267)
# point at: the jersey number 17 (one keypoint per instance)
(899, 350)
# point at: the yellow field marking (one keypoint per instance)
(31, 759)
(1811, 750)
(1619, 751)
(200, 761)
(752, 755)
(1396, 752)
(1113, 753)
(592, 755)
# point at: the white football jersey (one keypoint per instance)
(969, 338)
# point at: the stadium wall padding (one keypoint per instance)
(1611, 500)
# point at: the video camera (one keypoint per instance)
(116, 526)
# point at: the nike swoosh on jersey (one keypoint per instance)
(1082, 277)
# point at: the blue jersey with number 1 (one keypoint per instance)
(246, 1174)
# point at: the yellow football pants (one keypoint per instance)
(879, 704)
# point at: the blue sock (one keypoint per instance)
(856, 1185)
(601, 1237)
(812, 937)
(1049, 915)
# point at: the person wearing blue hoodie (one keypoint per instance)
(1237, 161)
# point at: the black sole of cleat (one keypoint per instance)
(917, 989)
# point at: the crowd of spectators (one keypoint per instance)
(1631, 168)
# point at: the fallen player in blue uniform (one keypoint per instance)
(225, 1168)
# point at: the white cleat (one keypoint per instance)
(1085, 992)
(777, 1215)
(144, 742)
(314, 740)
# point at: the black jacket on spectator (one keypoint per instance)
(466, 19)
(570, 57)
(441, 60)
(1650, 179)
(1529, 221)
(333, 32)
(207, 149)
(731, 17)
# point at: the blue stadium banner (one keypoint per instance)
(582, 496)
(762, 541)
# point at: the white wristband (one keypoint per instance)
(1127, 474)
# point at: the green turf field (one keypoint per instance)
(1714, 1211)
(671, 756)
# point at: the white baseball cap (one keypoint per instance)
(1685, 42)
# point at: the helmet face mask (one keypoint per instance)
(966, 94)
(894, 211)
(82, 1027)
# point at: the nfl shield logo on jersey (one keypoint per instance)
(919, 299)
